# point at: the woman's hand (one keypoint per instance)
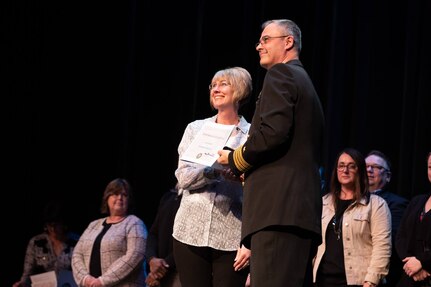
(421, 275)
(19, 284)
(151, 280)
(412, 265)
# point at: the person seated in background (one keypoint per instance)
(111, 250)
(159, 251)
(413, 241)
(356, 228)
(50, 250)
(379, 176)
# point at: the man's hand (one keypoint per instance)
(158, 267)
(224, 157)
(242, 259)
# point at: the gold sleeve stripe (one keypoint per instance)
(239, 161)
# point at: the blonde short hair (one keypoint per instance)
(239, 79)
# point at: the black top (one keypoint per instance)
(414, 237)
(331, 269)
(95, 268)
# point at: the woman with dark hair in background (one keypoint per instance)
(111, 250)
(413, 242)
(356, 228)
(50, 250)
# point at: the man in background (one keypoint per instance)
(379, 176)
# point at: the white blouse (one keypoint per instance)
(210, 211)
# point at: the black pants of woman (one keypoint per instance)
(207, 267)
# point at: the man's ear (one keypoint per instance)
(290, 42)
(388, 176)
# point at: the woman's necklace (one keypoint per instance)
(113, 220)
(336, 225)
(337, 220)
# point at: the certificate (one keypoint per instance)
(50, 279)
(46, 279)
(204, 148)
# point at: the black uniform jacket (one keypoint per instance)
(282, 154)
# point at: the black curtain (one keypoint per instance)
(93, 91)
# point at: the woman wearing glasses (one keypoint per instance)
(356, 228)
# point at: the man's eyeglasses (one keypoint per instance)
(375, 167)
(265, 39)
(222, 84)
(350, 167)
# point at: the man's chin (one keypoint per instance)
(264, 64)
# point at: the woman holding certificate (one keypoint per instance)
(207, 227)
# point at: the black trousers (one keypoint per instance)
(282, 256)
(207, 267)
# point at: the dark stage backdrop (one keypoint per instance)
(94, 91)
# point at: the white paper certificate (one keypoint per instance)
(210, 139)
(47, 279)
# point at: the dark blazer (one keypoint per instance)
(283, 154)
(397, 205)
(159, 241)
(414, 237)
